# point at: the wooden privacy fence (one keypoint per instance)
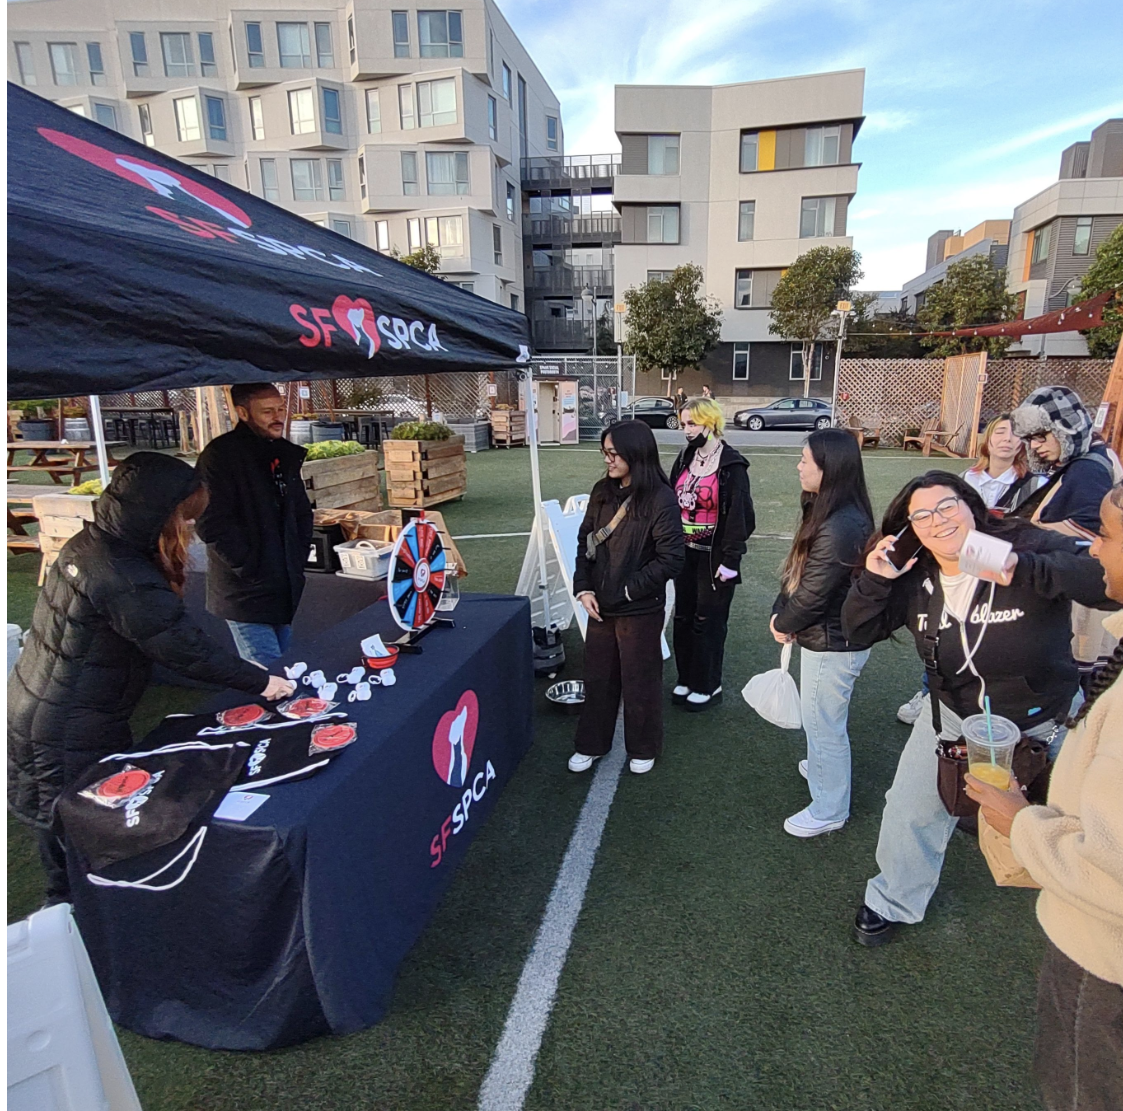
(900, 394)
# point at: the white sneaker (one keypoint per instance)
(578, 762)
(910, 711)
(803, 768)
(640, 767)
(803, 825)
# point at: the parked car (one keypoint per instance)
(789, 412)
(656, 412)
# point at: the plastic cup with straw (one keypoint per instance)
(990, 746)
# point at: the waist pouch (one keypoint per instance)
(1031, 769)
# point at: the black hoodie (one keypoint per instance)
(105, 613)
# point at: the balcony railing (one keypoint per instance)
(572, 280)
(596, 169)
(603, 227)
(557, 334)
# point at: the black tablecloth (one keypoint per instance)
(294, 922)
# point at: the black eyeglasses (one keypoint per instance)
(609, 456)
(925, 518)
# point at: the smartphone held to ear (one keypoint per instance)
(906, 544)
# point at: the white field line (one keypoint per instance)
(489, 535)
(512, 1068)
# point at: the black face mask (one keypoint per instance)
(696, 441)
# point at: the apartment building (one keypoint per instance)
(391, 125)
(1054, 235)
(741, 180)
(990, 238)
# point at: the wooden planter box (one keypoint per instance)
(508, 426)
(421, 473)
(60, 516)
(349, 482)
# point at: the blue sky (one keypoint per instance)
(968, 104)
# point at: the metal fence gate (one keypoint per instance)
(598, 379)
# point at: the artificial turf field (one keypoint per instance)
(711, 966)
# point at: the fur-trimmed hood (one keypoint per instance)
(1059, 410)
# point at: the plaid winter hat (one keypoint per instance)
(1059, 410)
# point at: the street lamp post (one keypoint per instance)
(843, 312)
(588, 300)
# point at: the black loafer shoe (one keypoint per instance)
(871, 930)
(698, 707)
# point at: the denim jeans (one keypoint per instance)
(260, 644)
(915, 827)
(826, 681)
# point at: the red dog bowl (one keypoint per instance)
(380, 663)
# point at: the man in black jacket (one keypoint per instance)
(258, 525)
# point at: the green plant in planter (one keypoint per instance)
(421, 430)
(92, 486)
(30, 409)
(332, 449)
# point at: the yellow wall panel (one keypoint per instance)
(766, 151)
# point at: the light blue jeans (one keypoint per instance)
(915, 827)
(826, 681)
(260, 644)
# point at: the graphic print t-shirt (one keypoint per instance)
(697, 499)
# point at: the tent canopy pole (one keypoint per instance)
(99, 439)
(536, 485)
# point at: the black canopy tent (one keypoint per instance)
(129, 270)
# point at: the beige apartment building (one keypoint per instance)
(393, 125)
(741, 180)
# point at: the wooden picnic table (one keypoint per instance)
(20, 514)
(58, 457)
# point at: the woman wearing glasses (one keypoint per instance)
(1007, 636)
(629, 545)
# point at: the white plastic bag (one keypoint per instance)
(774, 694)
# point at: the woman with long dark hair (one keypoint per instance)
(711, 481)
(111, 606)
(1004, 635)
(835, 524)
(628, 547)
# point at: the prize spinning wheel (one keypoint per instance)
(416, 579)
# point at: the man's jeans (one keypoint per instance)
(260, 644)
(826, 681)
(915, 827)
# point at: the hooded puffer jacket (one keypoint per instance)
(104, 615)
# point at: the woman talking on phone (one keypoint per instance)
(1004, 633)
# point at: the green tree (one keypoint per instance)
(672, 324)
(1105, 273)
(807, 294)
(427, 259)
(973, 292)
(881, 337)
(606, 342)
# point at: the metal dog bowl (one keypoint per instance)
(568, 697)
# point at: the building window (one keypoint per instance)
(179, 58)
(512, 197)
(325, 53)
(293, 45)
(401, 34)
(795, 374)
(351, 52)
(97, 67)
(413, 233)
(816, 217)
(659, 275)
(1041, 237)
(216, 118)
(497, 243)
(362, 177)
(341, 227)
(187, 119)
(446, 174)
(468, 287)
(551, 133)
(335, 179)
(333, 119)
(405, 106)
(382, 235)
(662, 154)
(492, 118)
(821, 146)
(302, 111)
(374, 113)
(436, 102)
(506, 83)
(105, 115)
(740, 362)
(445, 232)
(26, 62)
(221, 171)
(515, 301)
(490, 53)
(749, 147)
(307, 179)
(1082, 239)
(409, 173)
(255, 49)
(257, 118)
(145, 114)
(523, 152)
(743, 290)
(269, 189)
(207, 65)
(64, 62)
(140, 53)
(662, 224)
(746, 218)
(440, 34)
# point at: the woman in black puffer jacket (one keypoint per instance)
(837, 521)
(110, 607)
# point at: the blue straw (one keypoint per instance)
(990, 731)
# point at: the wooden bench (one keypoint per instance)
(932, 438)
(866, 437)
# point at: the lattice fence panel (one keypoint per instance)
(1010, 381)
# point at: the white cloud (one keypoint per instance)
(1074, 123)
(879, 122)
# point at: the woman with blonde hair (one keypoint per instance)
(1001, 474)
(711, 482)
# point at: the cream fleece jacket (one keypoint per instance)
(1073, 846)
